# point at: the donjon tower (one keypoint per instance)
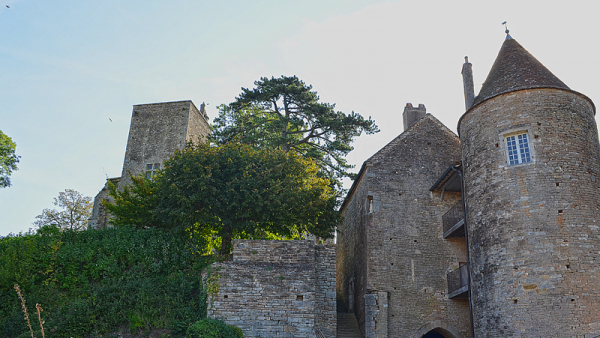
(531, 160)
(156, 131)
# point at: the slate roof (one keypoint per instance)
(516, 69)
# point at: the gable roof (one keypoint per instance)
(515, 69)
(387, 148)
(428, 117)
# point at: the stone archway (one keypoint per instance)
(438, 329)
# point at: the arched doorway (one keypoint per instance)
(437, 329)
(435, 334)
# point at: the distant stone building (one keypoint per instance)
(156, 131)
(493, 236)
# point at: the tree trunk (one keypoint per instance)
(226, 245)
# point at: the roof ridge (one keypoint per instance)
(405, 133)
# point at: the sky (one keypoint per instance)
(70, 71)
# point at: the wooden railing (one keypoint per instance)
(458, 279)
(453, 216)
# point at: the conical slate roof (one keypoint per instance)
(516, 69)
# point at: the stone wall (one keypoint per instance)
(405, 255)
(351, 248)
(533, 227)
(277, 289)
(157, 130)
(99, 219)
(325, 295)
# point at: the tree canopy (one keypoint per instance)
(8, 159)
(231, 191)
(74, 216)
(285, 113)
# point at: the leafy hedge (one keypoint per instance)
(94, 282)
(212, 328)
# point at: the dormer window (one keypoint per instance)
(517, 147)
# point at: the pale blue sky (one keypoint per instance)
(67, 67)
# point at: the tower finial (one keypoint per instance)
(506, 31)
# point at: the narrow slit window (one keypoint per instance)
(518, 149)
(370, 199)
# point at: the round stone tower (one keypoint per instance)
(531, 162)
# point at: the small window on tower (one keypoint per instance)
(370, 200)
(151, 169)
(518, 150)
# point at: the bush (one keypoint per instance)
(212, 328)
(91, 283)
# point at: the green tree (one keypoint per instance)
(284, 113)
(231, 191)
(8, 159)
(74, 216)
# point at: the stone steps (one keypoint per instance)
(347, 326)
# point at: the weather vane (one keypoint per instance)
(506, 31)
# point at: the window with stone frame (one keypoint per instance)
(151, 169)
(518, 149)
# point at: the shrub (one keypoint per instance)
(91, 283)
(212, 328)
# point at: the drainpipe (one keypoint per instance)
(463, 200)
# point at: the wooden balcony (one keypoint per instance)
(454, 221)
(458, 282)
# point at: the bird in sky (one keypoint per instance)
(7, 6)
(110, 119)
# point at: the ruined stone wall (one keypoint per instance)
(271, 289)
(99, 216)
(533, 227)
(407, 256)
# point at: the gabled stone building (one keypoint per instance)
(493, 236)
(392, 259)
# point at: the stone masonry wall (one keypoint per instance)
(325, 295)
(271, 289)
(534, 229)
(407, 255)
(157, 130)
(351, 249)
(391, 243)
(393, 229)
(99, 213)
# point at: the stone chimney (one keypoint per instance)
(412, 115)
(467, 73)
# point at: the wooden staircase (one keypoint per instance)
(347, 326)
